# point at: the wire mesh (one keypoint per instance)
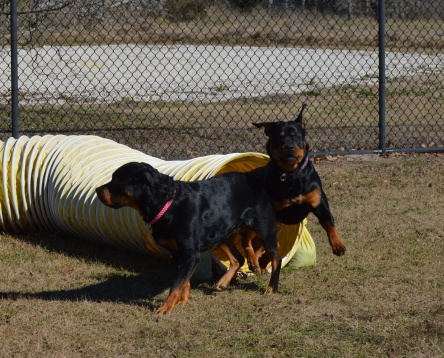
(183, 78)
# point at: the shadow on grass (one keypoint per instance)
(115, 288)
(143, 277)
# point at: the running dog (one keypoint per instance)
(294, 186)
(192, 217)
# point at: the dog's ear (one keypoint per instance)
(142, 178)
(266, 125)
(150, 176)
(144, 174)
(300, 118)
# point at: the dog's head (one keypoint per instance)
(136, 185)
(286, 143)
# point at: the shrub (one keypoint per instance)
(246, 4)
(186, 10)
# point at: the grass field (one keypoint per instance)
(67, 297)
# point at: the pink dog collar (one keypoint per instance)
(164, 209)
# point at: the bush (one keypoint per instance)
(186, 10)
(246, 4)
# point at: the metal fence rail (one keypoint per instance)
(181, 78)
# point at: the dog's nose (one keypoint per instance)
(288, 147)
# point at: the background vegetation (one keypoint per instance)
(340, 118)
(410, 25)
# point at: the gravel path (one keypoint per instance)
(102, 74)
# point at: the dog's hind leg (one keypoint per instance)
(260, 261)
(236, 262)
(249, 242)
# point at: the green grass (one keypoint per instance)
(64, 296)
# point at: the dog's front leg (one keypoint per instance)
(326, 220)
(335, 241)
(180, 290)
(276, 264)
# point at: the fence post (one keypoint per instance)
(14, 70)
(382, 80)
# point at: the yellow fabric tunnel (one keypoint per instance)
(48, 185)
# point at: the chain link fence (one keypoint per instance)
(183, 78)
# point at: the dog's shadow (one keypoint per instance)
(139, 279)
(135, 278)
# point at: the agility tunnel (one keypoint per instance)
(48, 185)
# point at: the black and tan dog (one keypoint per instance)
(192, 217)
(293, 184)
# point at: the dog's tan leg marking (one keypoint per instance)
(267, 258)
(185, 295)
(171, 301)
(252, 254)
(234, 266)
(180, 295)
(335, 241)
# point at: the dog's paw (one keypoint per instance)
(255, 269)
(338, 250)
(164, 310)
(270, 289)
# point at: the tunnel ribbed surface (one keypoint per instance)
(48, 185)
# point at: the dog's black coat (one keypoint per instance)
(285, 188)
(202, 215)
(291, 180)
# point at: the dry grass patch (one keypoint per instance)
(338, 118)
(222, 25)
(65, 297)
